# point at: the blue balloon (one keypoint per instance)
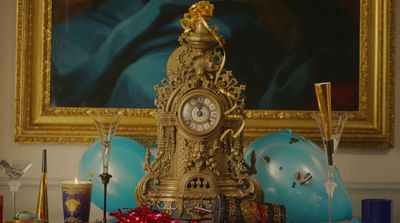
(292, 171)
(126, 167)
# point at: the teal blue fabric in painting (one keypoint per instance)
(114, 54)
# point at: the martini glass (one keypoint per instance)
(338, 122)
(106, 125)
(14, 170)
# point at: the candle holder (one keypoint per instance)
(376, 210)
(106, 126)
(76, 196)
(14, 170)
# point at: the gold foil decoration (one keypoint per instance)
(202, 11)
(323, 93)
(228, 115)
(232, 133)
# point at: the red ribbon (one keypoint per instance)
(142, 215)
(263, 213)
(146, 215)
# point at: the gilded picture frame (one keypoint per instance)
(371, 126)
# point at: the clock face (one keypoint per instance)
(200, 113)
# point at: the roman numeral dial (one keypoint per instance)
(200, 113)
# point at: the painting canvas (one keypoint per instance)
(107, 55)
(111, 53)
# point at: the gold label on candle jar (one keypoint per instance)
(72, 205)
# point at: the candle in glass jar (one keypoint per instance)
(76, 197)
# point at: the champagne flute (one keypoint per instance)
(14, 170)
(331, 131)
(106, 125)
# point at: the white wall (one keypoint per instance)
(367, 172)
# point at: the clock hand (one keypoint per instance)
(200, 108)
(198, 105)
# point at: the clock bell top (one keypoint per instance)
(200, 60)
(197, 32)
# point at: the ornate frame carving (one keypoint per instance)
(37, 122)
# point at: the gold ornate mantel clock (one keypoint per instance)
(200, 117)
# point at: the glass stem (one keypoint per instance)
(105, 204)
(330, 189)
(329, 208)
(105, 178)
(14, 194)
